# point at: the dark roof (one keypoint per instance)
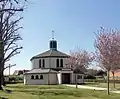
(51, 53)
(34, 71)
(78, 70)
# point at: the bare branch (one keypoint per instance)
(11, 10)
(9, 66)
(9, 34)
(12, 53)
(8, 47)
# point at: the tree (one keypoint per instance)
(79, 61)
(113, 70)
(107, 44)
(10, 11)
(102, 74)
(91, 72)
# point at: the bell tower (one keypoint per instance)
(53, 43)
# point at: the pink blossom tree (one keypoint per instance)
(79, 61)
(107, 45)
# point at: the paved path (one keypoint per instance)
(94, 88)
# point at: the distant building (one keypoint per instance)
(20, 72)
(50, 67)
(116, 75)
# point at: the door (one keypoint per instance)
(65, 78)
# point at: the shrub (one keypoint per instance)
(89, 77)
(15, 79)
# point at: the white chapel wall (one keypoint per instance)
(49, 62)
(52, 79)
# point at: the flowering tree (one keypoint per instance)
(80, 58)
(79, 61)
(107, 44)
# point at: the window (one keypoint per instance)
(36, 77)
(43, 63)
(32, 77)
(41, 76)
(61, 62)
(51, 45)
(79, 77)
(54, 44)
(40, 63)
(57, 63)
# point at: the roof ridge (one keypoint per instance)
(51, 53)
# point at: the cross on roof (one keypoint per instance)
(53, 34)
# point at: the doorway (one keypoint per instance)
(65, 78)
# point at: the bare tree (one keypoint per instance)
(79, 61)
(10, 11)
(107, 46)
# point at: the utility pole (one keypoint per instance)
(9, 69)
(9, 66)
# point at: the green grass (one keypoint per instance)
(104, 85)
(20, 91)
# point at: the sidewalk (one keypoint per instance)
(94, 88)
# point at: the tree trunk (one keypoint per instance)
(3, 79)
(76, 80)
(0, 83)
(113, 79)
(108, 90)
(1, 53)
(2, 68)
(1, 72)
(1, 65)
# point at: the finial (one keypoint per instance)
(52, 34)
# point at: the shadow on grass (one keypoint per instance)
(36, 86)
(72, 92)
(56, 92)
(67, 92)
(3, 97)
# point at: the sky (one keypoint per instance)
(74, 23)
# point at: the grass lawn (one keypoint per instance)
(104, 85)
(20, 91)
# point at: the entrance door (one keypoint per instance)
(65, 78)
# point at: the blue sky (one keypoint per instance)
(74, 23)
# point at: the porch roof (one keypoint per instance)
(33, 71)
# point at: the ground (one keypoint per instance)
(103, 85)
(20, 91)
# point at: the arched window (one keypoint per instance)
(36, 77)
(40, 63)
(32, 77)
(54, 44)
(41, 76)
(61, 62)
(51, 44)
(57, 63)
(43, 62)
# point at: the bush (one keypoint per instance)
(15, 79)
(95, 80)
(89, 77)
(11, 78)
